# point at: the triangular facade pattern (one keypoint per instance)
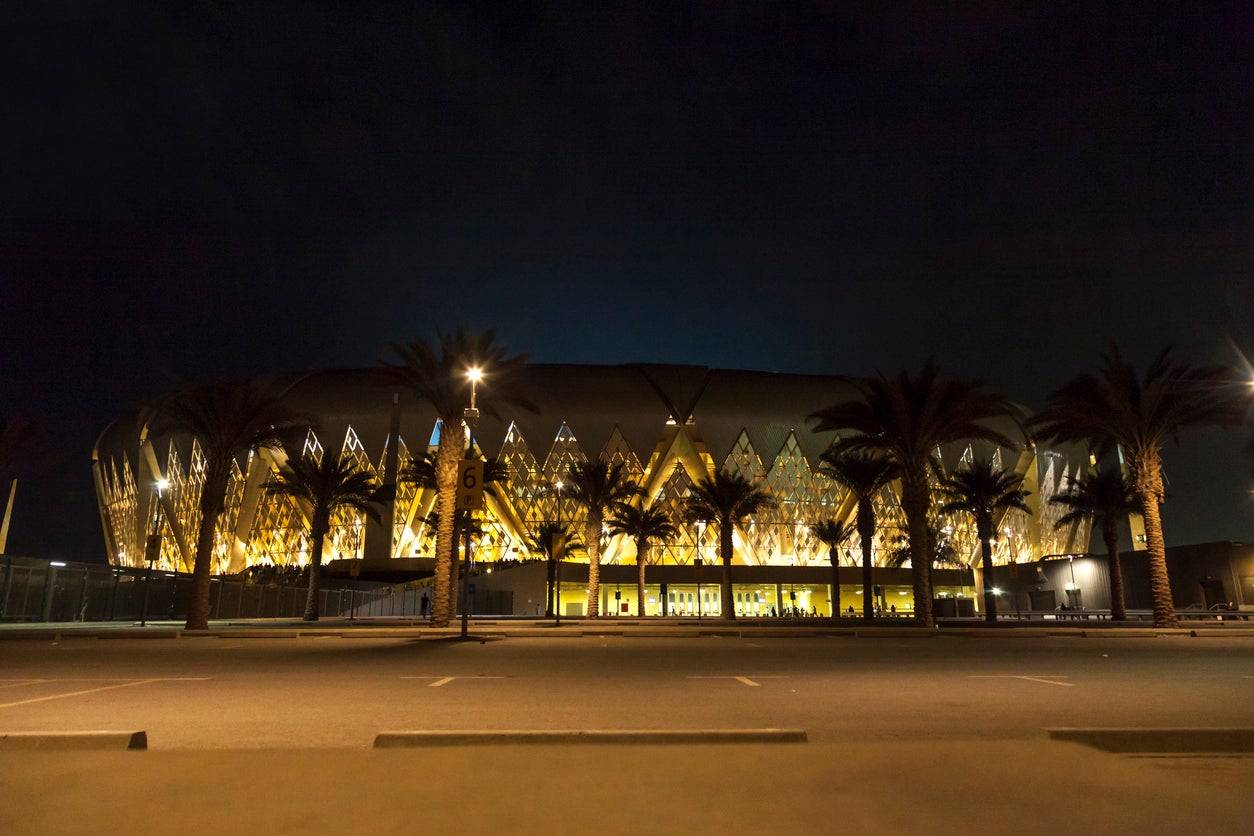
(277, 527)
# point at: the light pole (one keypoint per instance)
(471, 417)
(556, 548)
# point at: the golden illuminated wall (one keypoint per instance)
(255, 528)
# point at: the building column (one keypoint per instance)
(377, 548)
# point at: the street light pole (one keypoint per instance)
(558, 536)
(471, 417)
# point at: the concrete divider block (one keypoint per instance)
(420, 739)
(1160, 740)
(72, 740)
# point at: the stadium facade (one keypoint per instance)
(668, 425)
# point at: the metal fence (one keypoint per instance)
(35, 590)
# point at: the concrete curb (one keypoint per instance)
(72, 741)
(1160, 740)
(419, 739)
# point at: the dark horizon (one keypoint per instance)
(216, 190)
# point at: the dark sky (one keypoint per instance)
(213, 189)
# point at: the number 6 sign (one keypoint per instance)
(470, 485)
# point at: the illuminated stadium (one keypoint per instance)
(668, 425)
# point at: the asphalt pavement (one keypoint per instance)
(275, 728)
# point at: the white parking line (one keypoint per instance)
(18, 683)
(741, 679)
(128, 684)
(445, 680)
(1048, 679)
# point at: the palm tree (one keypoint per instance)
(326, 486)
(725, 499)
(543, 542)
(864, 474)
(438, 374)
(227, 419)
(833, 534)
(944, 554)
(1103, 496)
(906, 418)
(643, 525)
(598, 486)
(980, 489)
(1116, 408)
(421, 470)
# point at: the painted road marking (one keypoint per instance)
(128, 684)
(18, 683)
(741, 679)
(1048, 679)
(445, 680)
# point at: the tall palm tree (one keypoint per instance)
(421, 470)
(1104, 497)
(227, 419)
(542, 542)
(981, 490)
(326, 486)
(438, 374)
(643, 525)
(833, 534)
(1138, 414)
(598, 486)
(906, 418)
(864, 474)
(725, 499)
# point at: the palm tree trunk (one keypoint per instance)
(1110, 536)
(984, 529)
(1160, 584)
(552, 581)
(593, 535)
(642, 558)
(212, 497)
(725, 552)
(915, 502)
(835, 561)
(315, 571)
(866, 531)
(446, 458)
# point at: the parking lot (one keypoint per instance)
(965, 722)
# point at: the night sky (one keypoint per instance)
(222, 189)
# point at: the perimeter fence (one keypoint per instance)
(34, 590)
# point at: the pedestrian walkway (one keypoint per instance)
(498, 628)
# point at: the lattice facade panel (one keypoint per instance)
(744, 460)
(1058, 479)
(671, 496)
(618, 451)
(280, 536)
(407, 494)
(120, 501)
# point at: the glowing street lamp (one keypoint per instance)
(471, 417)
